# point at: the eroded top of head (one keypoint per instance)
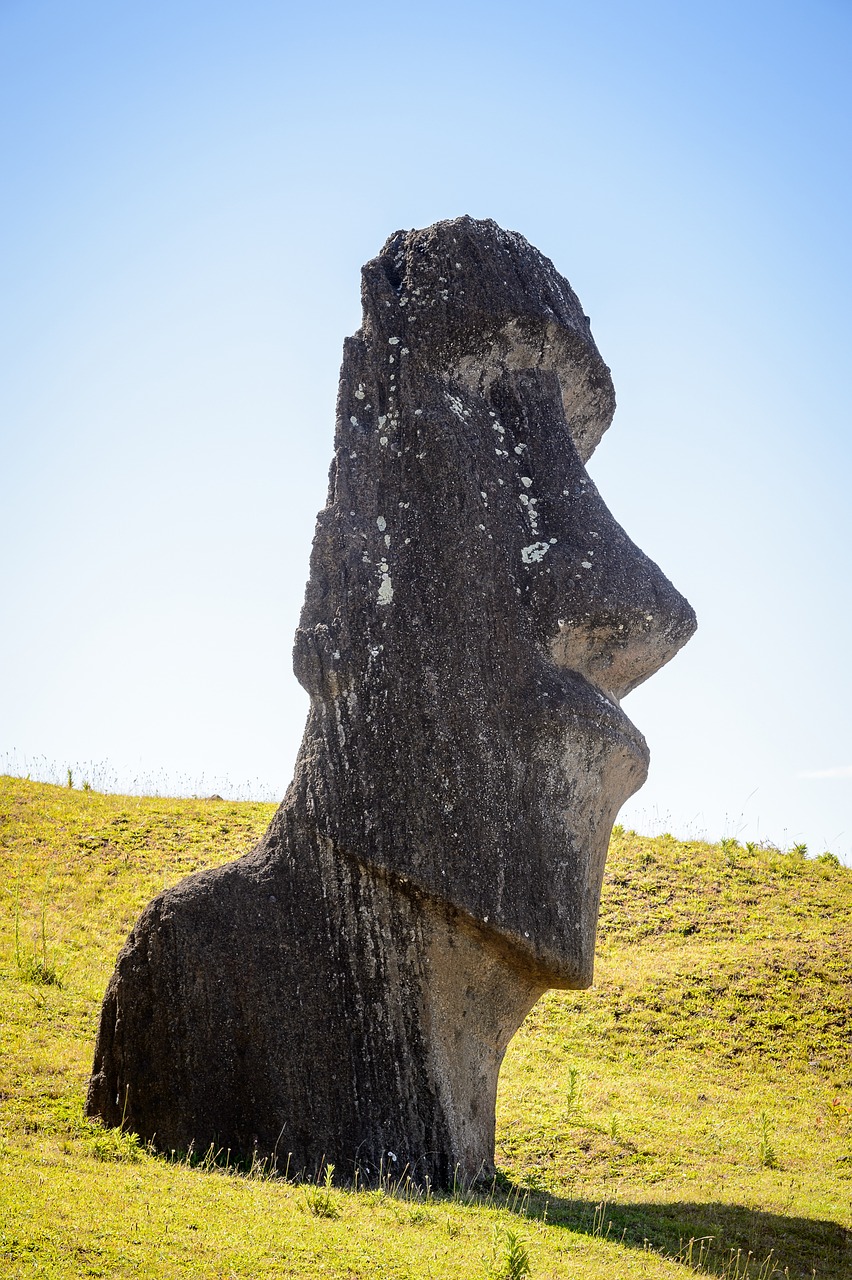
(481, 301)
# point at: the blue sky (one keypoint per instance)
(189, 191)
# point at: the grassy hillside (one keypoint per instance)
(691, 1113)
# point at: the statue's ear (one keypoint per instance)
(314, 661)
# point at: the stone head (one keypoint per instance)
(474, 613)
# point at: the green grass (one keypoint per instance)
(692, 1113)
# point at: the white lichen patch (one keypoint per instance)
(354, 420)
(585, 564)
(382, 523)
(535, 552)
(526, 481)
(457, 407)
(532, 515)
(385, 595)
(359, 394)
(393, 341)
(383, 440)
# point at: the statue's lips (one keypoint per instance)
(599, 710)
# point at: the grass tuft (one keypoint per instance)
(116, 1144)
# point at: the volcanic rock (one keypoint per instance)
(346, 991)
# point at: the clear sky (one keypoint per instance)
(189, 190)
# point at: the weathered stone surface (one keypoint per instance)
(346, 991)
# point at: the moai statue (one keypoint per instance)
(346, 991)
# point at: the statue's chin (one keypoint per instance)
(584, 775)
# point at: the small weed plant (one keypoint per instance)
(321, 1198)
(766, 1151)
(510, 1257)
(572, 1101)
(34, 966)
(729, 849)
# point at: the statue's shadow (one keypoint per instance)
(717, 1237)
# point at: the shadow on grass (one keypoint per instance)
(804, 1246)
(731, 1241)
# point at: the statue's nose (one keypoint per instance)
(623, 619)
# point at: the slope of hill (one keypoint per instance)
(692, 1113)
